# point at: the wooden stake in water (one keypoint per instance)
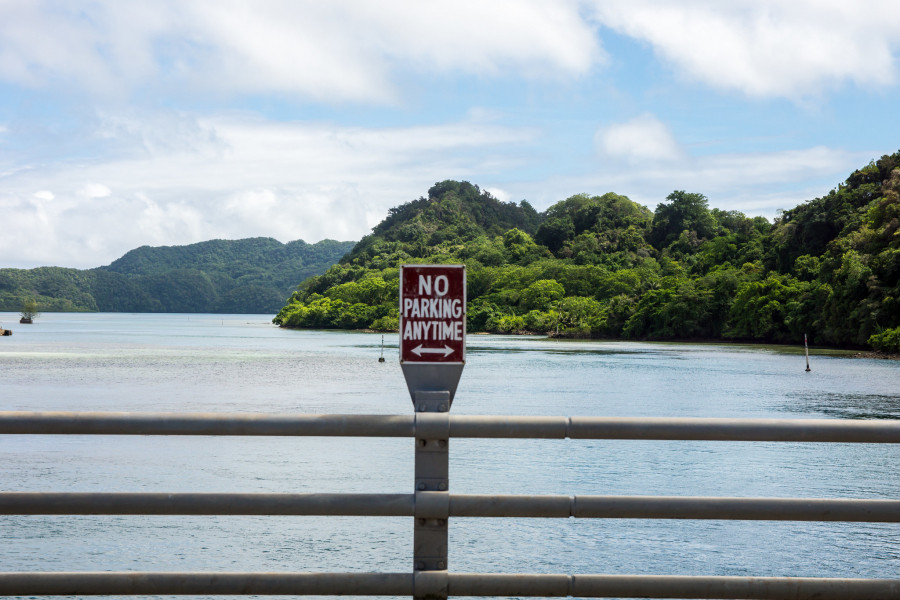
(381, 358)
(806, 348)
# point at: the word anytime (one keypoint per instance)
(433, 330)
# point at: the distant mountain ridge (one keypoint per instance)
(253, 275)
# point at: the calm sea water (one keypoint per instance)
(242, 363)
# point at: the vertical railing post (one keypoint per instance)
(432, 312)
(432, 483)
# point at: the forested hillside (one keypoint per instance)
(222, 276)
(604, 266)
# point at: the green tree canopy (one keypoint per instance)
(683, 213)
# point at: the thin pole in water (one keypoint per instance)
(381, 358)
(806, 348)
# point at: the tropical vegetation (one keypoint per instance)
(29, 311)
(604, 266)
(219, 276)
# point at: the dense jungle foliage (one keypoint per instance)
(220, 276)
(604, 266)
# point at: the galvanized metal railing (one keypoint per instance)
(458, 505)
(429, 584)
(461, 426)
(429, 505)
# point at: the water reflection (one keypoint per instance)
(851, 406)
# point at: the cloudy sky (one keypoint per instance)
(171, 122)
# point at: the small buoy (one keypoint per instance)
(806, 348)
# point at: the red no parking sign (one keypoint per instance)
(433, 314)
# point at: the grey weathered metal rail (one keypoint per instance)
(423, 584)
(429, 506)
(461, 426)
(460, 505)
(249, 424)
(193, 584)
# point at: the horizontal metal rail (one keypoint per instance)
(112, 423)
(655, 428)
(124, 503)
(455, 584)
(460, 505)
(461, 426)
(193, 584)
(676, 507)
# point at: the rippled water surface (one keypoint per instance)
(242, 363)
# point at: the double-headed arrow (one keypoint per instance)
(419, 350)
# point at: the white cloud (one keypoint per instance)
(341, 51)
(94, 190)
(239, 176)
(173, 177)
(536, 38)
(99, 47)
(358, 51)
(767, 48)
(754, 183)
(499, 194)
(644, 138)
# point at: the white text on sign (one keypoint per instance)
(432, 330)
(433, 308)
(441, 285)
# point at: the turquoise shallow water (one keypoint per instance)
(242, 363)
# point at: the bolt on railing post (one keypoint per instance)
(432, 484)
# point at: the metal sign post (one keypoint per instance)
(432, 356)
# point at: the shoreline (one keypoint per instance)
(847, 351)
(876, 355)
